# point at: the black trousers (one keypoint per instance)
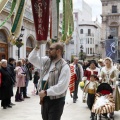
(24, 91)
(18, 95)
(90, 100)
(75, 93)
(52, 109)
(5, 102)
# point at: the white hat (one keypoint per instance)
(100, 60)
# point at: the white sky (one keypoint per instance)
(94, 4)
(96, 8)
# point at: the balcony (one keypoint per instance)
(91, 34)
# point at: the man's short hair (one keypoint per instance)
(59, 46)
(10, 60)
(76, 58)
(93, 75)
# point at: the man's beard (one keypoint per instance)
(52, 57)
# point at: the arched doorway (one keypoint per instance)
(114, 29)
(29, 46)
(3, 45)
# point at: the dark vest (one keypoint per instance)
(53, 74)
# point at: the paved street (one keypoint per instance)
(30, 109)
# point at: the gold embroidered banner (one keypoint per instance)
(40, 10)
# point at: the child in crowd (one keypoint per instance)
(35, 80)
(91, 88)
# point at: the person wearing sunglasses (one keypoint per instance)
(54, 80)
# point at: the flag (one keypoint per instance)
(110, 47)
(40, 10)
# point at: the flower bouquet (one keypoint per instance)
(82, 84)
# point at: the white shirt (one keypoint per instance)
(64, 77)
(92, 85)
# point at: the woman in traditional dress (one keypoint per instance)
(109, 75)
(92, 69)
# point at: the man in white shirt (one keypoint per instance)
(54, 80)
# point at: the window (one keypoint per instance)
(86, 41)
(88, 50)
(90, 40)
(89, 32)
(81, 31)
(29, 43)
(93, 40)
(114, 9)
(3, 37)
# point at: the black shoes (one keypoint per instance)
(12, 104)
(26, 97)
(4, 107)
(74, 100)
(9, 106)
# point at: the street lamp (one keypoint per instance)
(81, 52)
(19, 41)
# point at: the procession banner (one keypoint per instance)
(18, 16)
(54, 21)
(71, 22)
(66, 5)
(68, 24)
(2, 4)
(110, 47)
(10, 14)
(50, 19)
(40, 10)
(18, 28)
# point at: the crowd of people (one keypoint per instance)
(14, 73)
(93, 74)
(56, 77)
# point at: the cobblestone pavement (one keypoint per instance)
(30, 109)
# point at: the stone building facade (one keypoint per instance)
(6, 48)
(111, 23)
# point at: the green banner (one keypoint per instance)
(17, 17)
(11, 12)
(68, 23)
(71, 22)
